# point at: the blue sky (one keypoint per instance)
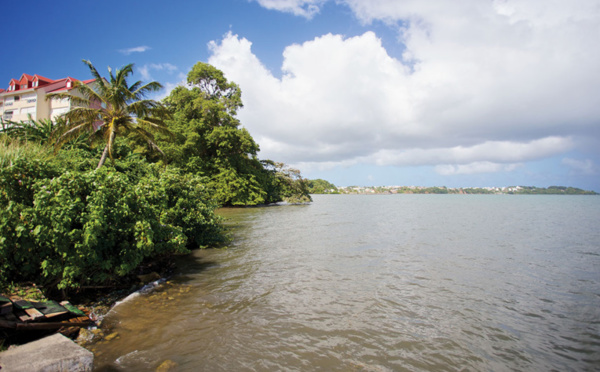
(380, 92)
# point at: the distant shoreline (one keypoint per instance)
(511, 190)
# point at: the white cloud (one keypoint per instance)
(304, 8)
(145, 69)
(585, 167)
(138, 49)
(487, 85)
(487, 152)
(474, 168)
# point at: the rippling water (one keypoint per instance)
(380, 283)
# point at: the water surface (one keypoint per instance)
(380, 283)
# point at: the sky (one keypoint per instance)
(464, 93)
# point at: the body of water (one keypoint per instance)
(379, 283)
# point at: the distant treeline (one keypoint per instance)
(320, 186)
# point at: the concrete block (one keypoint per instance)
(50, 354)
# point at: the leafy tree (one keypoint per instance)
(110, 108)
(290, 185)
(209, 141)
(320, 186)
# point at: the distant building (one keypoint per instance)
(27, 96)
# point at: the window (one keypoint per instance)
(23, 86)
(68, 84)
(17, 98)
(35, 83)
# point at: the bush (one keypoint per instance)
(89, 228)
(184, 201)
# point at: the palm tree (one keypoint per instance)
(106, 109)
(40, 131)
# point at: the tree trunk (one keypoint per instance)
(108, 148)
(103, 157)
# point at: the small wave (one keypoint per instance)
(145, 289)
(589, 253)
(134, 357)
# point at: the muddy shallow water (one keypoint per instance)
(379, 283)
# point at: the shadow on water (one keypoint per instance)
(190, 265)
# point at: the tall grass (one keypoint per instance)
(12, 149)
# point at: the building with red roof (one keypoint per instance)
(27, 96)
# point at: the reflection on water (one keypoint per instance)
(379, 283)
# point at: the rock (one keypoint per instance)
(88, 335)
(167, 365)
(52, 353)
(111, 336)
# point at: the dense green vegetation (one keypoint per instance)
(69, 221)
(208, 140)
(320, 186)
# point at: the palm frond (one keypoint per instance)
(82, 114)
(101, 83)
(93, 70)
(119, 107)
(71, 131)
(155, 125)
(147, 137)
(153, 86)
(135, 86)
(122, 74)
(147, 108)
(89, 92)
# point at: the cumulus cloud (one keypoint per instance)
(481, 86)
(304, 8)
(138, 49)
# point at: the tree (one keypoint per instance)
(290, 186)
(106, 109)
(320, 186)
(209, 140)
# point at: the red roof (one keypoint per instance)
(28, 79)
(25, 78)
(41, 78)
